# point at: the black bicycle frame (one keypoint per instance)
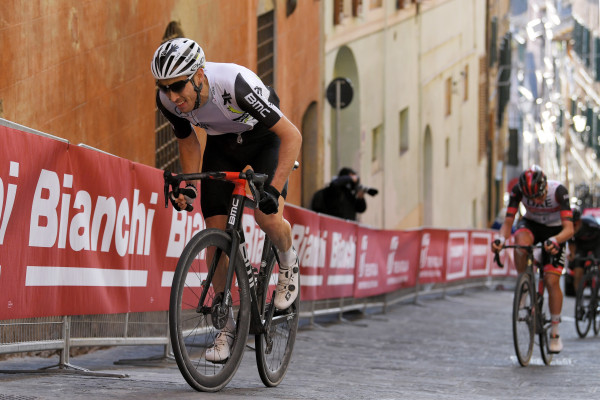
(238, 245)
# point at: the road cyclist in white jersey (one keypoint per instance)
(548, 219)
(244, 127)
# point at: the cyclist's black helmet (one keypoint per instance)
(533, 182)
(576, 214)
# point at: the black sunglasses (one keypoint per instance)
(176, 87)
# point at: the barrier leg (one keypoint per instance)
(64, 366)
(166, 356)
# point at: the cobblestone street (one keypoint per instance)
(459, 347)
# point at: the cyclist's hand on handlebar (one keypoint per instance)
(269, 200)
(497, 245)
(551, 246)
(185, 198)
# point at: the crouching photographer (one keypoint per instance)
(344, 197)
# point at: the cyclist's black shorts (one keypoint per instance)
(259, 149)
(540, 234)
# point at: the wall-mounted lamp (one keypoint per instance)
(579, 122)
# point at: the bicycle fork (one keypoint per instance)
(263, 325)
(593, 309)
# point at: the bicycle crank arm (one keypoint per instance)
(281, 319)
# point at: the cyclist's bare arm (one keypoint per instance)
(562, 237)
(567, 231)
(289, 149)
(505, 231)
(190, 156)
(572, 251)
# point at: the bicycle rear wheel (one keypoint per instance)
(190, 322)
(274, 348)
(583, 300)
(523, 321)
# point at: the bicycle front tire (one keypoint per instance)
(595, 313)
(544, 331)
(190, 323)
(272, 361)
(523, 321)
(583, 302)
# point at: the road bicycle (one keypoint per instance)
(530, 315)
(586, 297)
(197, 313)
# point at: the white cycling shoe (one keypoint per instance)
(220, 350)
(287, 286)
(555, 344)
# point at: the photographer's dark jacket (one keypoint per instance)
(339, 199)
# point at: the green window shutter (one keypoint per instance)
(493, 41)
(597, 58)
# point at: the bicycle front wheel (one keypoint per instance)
(544, 324)
(523, 320)
(594, 305)
(192, 306)
(274, 348)
(583, 302)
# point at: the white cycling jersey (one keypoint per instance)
(238, 100)
(550, 212)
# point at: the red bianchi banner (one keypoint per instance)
(326, 248)
(387, 261)
(433, 261)
(306, 238)
(480, 256)
(457, 255)
(83, 232)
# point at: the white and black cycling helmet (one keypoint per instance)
(177, 57)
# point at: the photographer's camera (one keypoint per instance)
(369, 190)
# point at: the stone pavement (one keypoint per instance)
(458, 347)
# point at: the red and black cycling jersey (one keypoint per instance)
(550, 212)
(588, 233)
(238, 102)
(586, 240)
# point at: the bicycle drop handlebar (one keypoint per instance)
(255, 182)
(516, 246)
